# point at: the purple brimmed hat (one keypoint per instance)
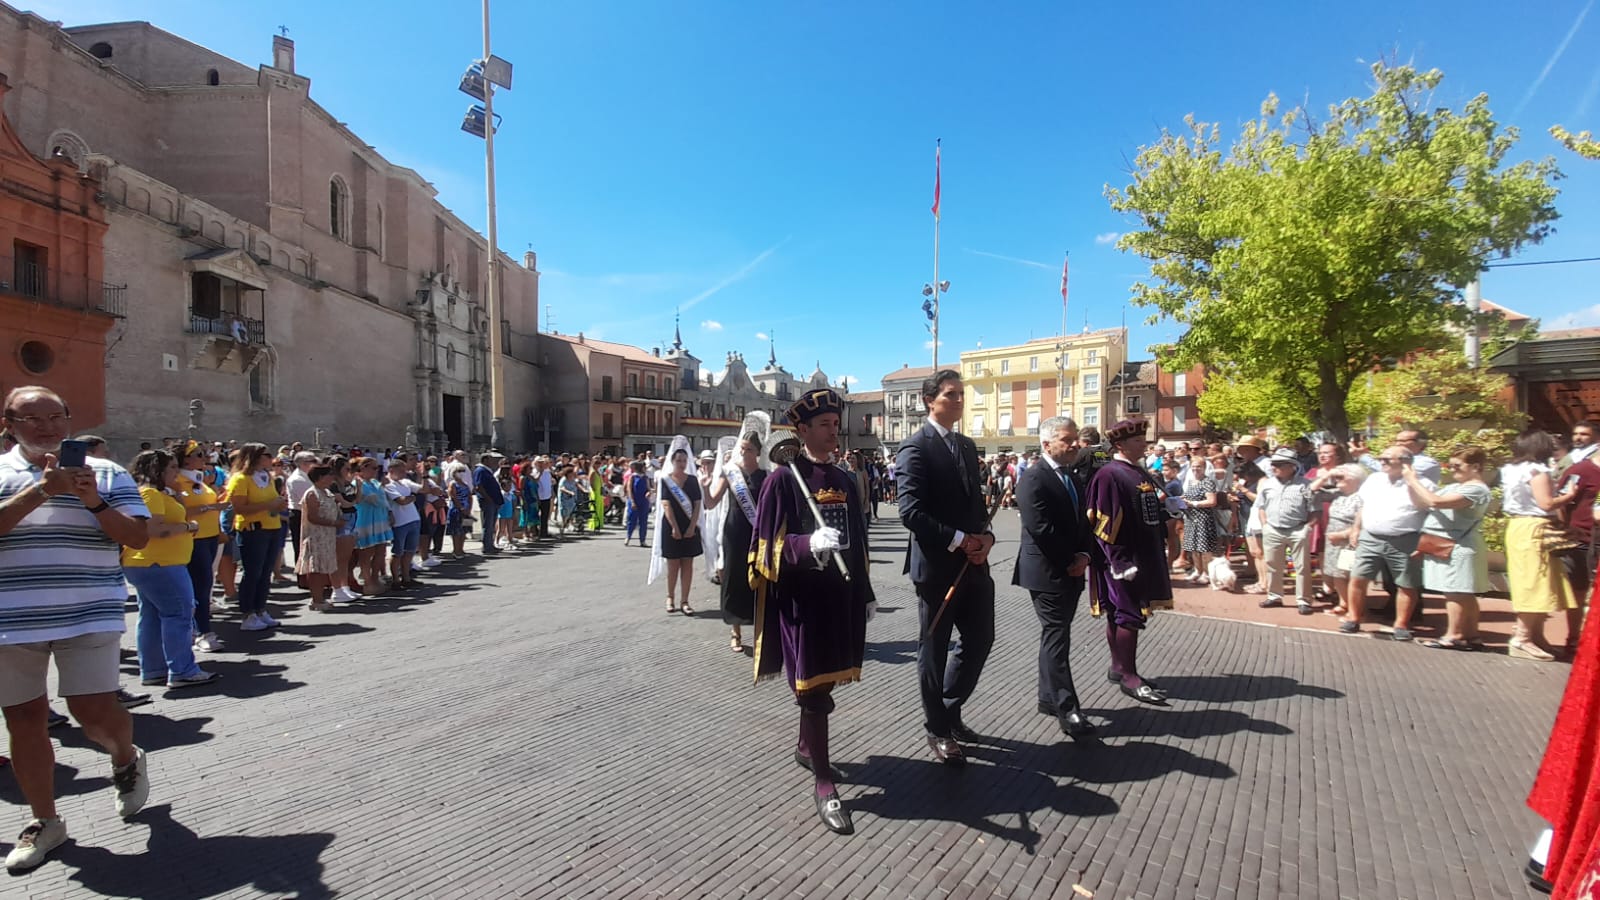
(1127, 428)
(815, 403)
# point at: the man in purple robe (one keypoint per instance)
(810, 620)
(1128, 563)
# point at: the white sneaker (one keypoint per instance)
(208, 642)
(253, 622)
(342, 595)
(267, 620)
(430, 562)
(133, 784)
(35, 843)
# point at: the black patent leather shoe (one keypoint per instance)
(833, 814)
(1146, 693)
(946, 750)
(804, 762)
(1075, 725)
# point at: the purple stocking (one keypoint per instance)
(1111, 643)
(814, 744)
(1124, 656)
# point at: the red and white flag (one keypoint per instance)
(1064, 280)
(936, 181)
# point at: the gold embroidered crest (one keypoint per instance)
(830, 495)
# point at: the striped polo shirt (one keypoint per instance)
(60, 575)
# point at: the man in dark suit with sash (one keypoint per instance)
(1052, 562)
(941, 502)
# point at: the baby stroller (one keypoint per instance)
(615, 505)
(581, 513)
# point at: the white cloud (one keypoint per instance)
(849, 380)
(762, 336)
(1110, 237)
(928, 344)
(1583, 318)
(711, 325)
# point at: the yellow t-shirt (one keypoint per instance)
(242, 486)
(201, 494)
(165, 551)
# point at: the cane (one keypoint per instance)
(783, 454)
(949, 595)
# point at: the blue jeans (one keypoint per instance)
(638, 516)
(165, 631)
(256, 558)
(201, 577)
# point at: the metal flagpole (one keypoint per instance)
(936, 186)
(491, 291)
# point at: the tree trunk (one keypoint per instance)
(1332, 415)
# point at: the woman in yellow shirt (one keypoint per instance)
(256, 502)
(159, 573)
(204, 509)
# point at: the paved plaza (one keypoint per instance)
(536, 725)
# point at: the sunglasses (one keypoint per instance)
(1394, 459)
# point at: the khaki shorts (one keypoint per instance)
(86, 664)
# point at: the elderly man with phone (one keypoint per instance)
(62, 602)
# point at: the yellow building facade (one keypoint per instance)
(1010, 390)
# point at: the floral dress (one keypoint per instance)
(318, 553)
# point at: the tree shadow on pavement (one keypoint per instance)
(986, 798)
(179, 864)
(1236, 688)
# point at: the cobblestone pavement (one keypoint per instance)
(536, 725)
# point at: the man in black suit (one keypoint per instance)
(1052, 561)
(941, 502)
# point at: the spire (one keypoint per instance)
(677, 332)
(772, 355)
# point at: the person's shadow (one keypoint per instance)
(1234, 688)
(982, 797)
(179, 864)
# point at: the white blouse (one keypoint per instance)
(1516, 483)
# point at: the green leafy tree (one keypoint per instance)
(1582, 143)
(1241, 405)
(1308, 251)
(1458, 406)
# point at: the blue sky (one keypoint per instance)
(768, 168)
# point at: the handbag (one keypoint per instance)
(1439, 548)
(1435, 546)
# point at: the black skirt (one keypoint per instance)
(738, 600)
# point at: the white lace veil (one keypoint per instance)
(663, 497)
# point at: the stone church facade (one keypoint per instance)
(278, 269)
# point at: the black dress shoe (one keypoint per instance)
(804, 762)
(1146, 693)
(833, 814)
(946, 750)
(1075, 725)
(1046, 709)
(964, 734)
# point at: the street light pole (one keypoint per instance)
(491, 293)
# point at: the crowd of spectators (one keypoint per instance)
(1355, 530)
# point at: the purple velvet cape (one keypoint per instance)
(1128, 515)
(809, 621)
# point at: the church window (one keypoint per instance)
(213, 78)
(338, 208)
(101, 50)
